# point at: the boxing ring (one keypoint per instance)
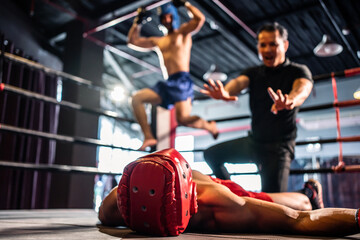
(79, 224)
(83, 223)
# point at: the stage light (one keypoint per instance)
(327, 47)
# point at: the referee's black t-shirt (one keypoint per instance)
(266, 126)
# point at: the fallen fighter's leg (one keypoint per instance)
(220, 210)
(295, 200)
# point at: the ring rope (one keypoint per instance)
(346, 169)
(55, 168)
(48, 70)
(37, 96)
(331, 140)
(95, 171)
(123, 54)
(122, 18)
(63, 138)
(337, 111)
(97, 142)
(345, 73)
(2, 47)
(67, 11)
(299, 143)
(347, 103)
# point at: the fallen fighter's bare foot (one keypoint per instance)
(213, 130)
(148, 143)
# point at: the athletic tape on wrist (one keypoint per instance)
(357, 218)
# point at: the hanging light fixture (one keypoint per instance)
(214, 74)
(327, 47)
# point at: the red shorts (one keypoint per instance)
(238, 190)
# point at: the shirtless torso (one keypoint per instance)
(218, 208)
(176, 48)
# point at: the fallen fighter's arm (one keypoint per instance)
(109, 213)
(220, 210)
(272, 217)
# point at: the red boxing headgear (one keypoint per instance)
(156, 194)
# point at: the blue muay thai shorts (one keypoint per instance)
(178, 87)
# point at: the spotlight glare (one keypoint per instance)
(118, 94)
(357, 94)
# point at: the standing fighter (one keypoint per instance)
(276, 90)
(159, 194)
(175, 48)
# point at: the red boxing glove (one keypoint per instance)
(156, 194)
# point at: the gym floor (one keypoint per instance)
(83, 224)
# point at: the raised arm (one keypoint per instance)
(135, 39)
(109, 214)
(216, 89)
(197, 19)
(301, 89)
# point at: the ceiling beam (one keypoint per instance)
(118, 71)
(124, 54)
(124, 10)
(231, 34)
(122, 18)
(235, 18)
(278, 15)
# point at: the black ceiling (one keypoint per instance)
(226, 40)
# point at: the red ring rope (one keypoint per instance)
(347, 103)
(352, 72)
(337, 111)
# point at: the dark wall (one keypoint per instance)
(81, 58)
(22, 188)
(17, 27)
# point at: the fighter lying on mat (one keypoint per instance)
(157, 195)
